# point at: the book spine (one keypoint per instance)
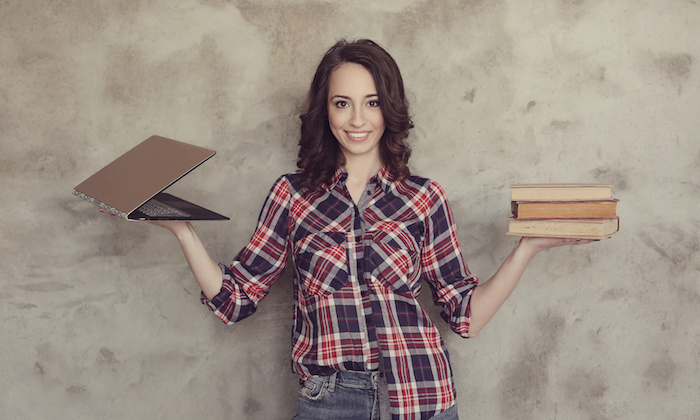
(580, 228)
(597, 193)
(603, 209)
(563, 196)
(101, 205)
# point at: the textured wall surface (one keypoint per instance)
(100, 318)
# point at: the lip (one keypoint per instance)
(357, 136)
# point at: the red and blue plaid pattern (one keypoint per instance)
(356, 279)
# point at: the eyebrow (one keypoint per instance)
(371, 95)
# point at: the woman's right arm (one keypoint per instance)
(233, 291)
(205, 269)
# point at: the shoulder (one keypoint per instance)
(422, 194)
(293, 177)
(415, 184)
(289, 184)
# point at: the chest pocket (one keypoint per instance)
(394, 260)
(321, 262)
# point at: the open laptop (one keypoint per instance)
(132, 186)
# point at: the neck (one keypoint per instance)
(360, 170)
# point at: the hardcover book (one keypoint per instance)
(564, 228)
(560, 192)
(605, 209)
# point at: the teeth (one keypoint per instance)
(357, 135)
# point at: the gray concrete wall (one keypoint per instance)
(100, 318)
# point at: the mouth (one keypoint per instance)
(357, 135)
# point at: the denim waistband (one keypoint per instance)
(354, 379)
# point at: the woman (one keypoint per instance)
(363, 232)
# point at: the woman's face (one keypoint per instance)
(354, 114)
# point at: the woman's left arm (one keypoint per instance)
(488, 297)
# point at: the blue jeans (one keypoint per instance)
(345, 396)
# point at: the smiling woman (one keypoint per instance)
(363, 233)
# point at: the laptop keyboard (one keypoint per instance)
(155, 208)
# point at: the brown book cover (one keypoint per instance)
(561, 192)
(604, 209)
(564, 228)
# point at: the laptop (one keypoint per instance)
(132, 185)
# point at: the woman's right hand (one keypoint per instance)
(176, 227)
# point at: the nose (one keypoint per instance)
(358, 118)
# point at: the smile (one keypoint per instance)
(358, 136)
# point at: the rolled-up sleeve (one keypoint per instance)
(259, 264)
(443, 266)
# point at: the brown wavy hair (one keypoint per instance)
(319, 153)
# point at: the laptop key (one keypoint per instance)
(155, 208)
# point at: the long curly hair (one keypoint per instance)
(319, 152)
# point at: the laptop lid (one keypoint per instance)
(142, 172)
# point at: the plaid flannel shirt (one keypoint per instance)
(357, 274)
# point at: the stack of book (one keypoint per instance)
(582, 211)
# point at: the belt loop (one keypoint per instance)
(331, 382)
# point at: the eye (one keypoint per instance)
(374, 103)
(341, 104)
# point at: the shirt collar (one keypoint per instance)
(337, 177)
(384, 178)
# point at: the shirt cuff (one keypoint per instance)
(218, 300)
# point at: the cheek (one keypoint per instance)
(378, 120)
(335, 120)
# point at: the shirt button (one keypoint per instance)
(369, 192)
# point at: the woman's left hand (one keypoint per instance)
(540, 244)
